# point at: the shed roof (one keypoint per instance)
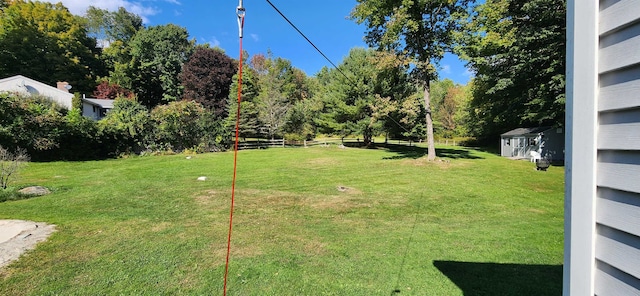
(102, 103)
(526, 131)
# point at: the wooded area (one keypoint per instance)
(515, 48)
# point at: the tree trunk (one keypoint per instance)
(427, 106)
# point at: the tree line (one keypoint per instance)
(174, 94)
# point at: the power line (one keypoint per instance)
(305, 37)
(320, 51)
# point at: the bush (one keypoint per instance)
(126, 128)
(10, 164)
(32, 122)
(11, 194)
(187, 125)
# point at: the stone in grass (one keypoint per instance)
(34, 190)
(203, 178)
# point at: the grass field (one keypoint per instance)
(316, 221)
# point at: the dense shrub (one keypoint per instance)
(186, 125)
(45, 131)
(126, 128)
(49, 132)
(31, 122)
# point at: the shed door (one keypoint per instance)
(519, 145)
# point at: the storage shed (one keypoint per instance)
(547, 141)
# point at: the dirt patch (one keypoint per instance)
(348, 190)
(537, 211)
(19, 236)
(442, 163)
(322, 162)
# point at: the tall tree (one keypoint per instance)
(418, 30)
(281, 86)
(358, 97)
(249, 113)
(157, 55)
(207, 77)
(109, 26)
(517, 50)
(46, 42)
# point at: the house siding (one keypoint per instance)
(617, 241)
(30, 86)
(610, 233)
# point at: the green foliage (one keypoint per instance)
(281, 86)
(412, 119)
(76, 101)
(271, 90)
(109, 26)
(80, 139)
(11, 194)
(420, 31)
(127, 127)
(450, 107)
(157, 55)
(31, 122)
(46, 42)
(299, 124)
(517, 50)
(360, 101)
(248, 125)
(39, 125)
(178, 124)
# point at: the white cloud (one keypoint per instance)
(446, 69)
(79, 7)
(213, 42)
(255, 37)
(468, 72)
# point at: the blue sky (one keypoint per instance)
(325, 23)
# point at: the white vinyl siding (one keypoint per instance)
(602, 227)
(614, 268)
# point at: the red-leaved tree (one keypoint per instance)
(110, 91)
(206, 78)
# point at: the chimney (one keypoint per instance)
(64, 86)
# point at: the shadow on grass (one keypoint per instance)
(477, 278)
(414, 152)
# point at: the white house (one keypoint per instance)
(26, 85)
(602, 193)
(96, 109)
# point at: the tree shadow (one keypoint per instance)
(414, 152)
(478, 278)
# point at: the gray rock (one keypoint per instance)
(35, 190)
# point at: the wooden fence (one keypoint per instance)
(348, 142)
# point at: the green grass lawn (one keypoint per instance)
(316, 221)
